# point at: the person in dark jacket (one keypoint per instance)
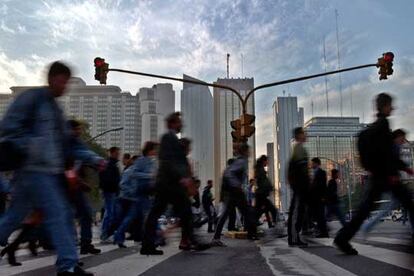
(263, 190)
(318, 197)
(234, 178)
(332, 200)
(383, 165)
(207, 201)
(109, 183)
(171, 188)
(298, 177)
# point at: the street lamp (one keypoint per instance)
(105, 132)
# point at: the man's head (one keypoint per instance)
(114, 153)
(384, 104)
(174, 122)
(335, 174)
(209, 183)
(58, 77)
(150, 149)
(316, 162)
(262, 161)
(75, 127)
(299, 134)
(125, 159)
(399, 136)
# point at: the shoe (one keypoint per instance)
(76, 272)
(210, 231)
(150, 251)
(89, 249)
(121, 245)
(11, 258)
(199, 246)
(33, 248)
(253, 237)
(218, 243)
(322, 235)
(345, 246)
(299, 244)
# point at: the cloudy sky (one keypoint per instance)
(278, 39)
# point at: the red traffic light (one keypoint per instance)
(388, 57)
(99, 62)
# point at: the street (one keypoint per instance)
(385, 251)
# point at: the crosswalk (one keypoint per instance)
(379, 255)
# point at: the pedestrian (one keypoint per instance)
(4, 192)
(263, 190)
(234, 177)
(172, 186)
(126, 160)
(35, 126)
(232, 217)
(317, 202)
(79, 197)
(399, 138)
(208, 206)
(332, 199)
(135, 188)
(109, 183)
(377, 155)
(251, 190)
(298, 177)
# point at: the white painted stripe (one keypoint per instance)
(297, 261)
(39, 262)
(135, 264)
(389, 240)
(401, 259)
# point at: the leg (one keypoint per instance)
(110, 201)
(401, 193)
(231, 226)
(158, 208)
(248, 213)
(227, 207)
(131, 215)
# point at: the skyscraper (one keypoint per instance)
(271, 164)
(227, 107)
(286, 116)
(155, 104)
(197, 109)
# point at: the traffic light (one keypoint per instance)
(385, 65)
(247, 129)
(101, 70)
(236, 133)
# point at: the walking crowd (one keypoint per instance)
(48, 190)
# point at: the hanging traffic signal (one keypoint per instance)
(236, 133)
(101, 70)
(247, 120)
(385, 64)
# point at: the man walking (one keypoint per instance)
(207, 201)
(298, 177)
(171, 187)
(377, 155)
(318, 198)
(332, 200)
(34, 124)
(109, 183)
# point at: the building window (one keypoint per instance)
(150, 95)
(153, 128)
(152, 108)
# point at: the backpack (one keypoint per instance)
(366, 147)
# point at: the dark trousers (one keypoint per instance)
(378, 184)
(264, 205)
(208, 209)
(176, 196)
(335, 209)
(317, 208)
(3, 197)
(231, 225)
(236, 199)
(296, 215)
(84, 213)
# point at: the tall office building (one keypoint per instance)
(334, 140)
(271, 165)
(286, 117)
(197, 109)
(103, 108)
(155, 104)
(227, 107)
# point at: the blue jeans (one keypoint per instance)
(129, 211)
(109, 215)
(84, 214)
(43, 191)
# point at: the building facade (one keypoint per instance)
(197, 110)
(286, 117)
(334, 141)
(227, 107)
(270, 152)
(155, 104)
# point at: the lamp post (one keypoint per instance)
(105, 132)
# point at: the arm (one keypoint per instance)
(82, 152)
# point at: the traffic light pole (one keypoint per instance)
(244, 100)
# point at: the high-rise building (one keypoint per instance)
(227, 107)
(197, 110)
(271, 165)
(103, 108)
(334, 141)
(286, 117)
(155, 104)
